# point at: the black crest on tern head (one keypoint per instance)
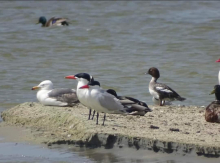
(91, 78)
(84, 76)
(94, 83)
(112, 92)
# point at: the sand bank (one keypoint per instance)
(170, 129)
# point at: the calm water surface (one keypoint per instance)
(24, 153)
(117, 42)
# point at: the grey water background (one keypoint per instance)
(116, 42)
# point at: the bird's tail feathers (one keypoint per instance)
(65, 23)
(136, 109)
(181, 98)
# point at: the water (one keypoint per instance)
(13, 152)
(116, 42)
(25, 153)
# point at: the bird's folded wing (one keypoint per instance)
(64, 95)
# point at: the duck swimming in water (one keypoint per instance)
(161, 91)
(52, 22)
(212, 112)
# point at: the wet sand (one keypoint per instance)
(169, 129)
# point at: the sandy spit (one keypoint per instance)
(179, 129)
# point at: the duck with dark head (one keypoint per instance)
(52, 22)
(161, 91)
(212, 112)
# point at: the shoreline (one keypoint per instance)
(168, 129)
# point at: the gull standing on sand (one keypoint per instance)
(46, 95)
(83, 79)
(161, 91)
(108, 102)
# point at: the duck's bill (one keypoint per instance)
(34, 88)
(213, 91)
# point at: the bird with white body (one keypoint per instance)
(107, 101)
(83, 79)
(46, 95)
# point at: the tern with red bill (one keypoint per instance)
(83, 79)
(46, 95)
(107, 101)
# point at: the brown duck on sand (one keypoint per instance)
(212, 112)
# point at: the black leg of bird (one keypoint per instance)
(90, 110)
(97, 119)
(93, 114)
(104, 119)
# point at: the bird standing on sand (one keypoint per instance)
(161, 91)
(83, 79)
(46, 95)
(108, 102)
(52, 22)
(212, 112)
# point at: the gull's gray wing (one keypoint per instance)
(111, 103)
(64, 95)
